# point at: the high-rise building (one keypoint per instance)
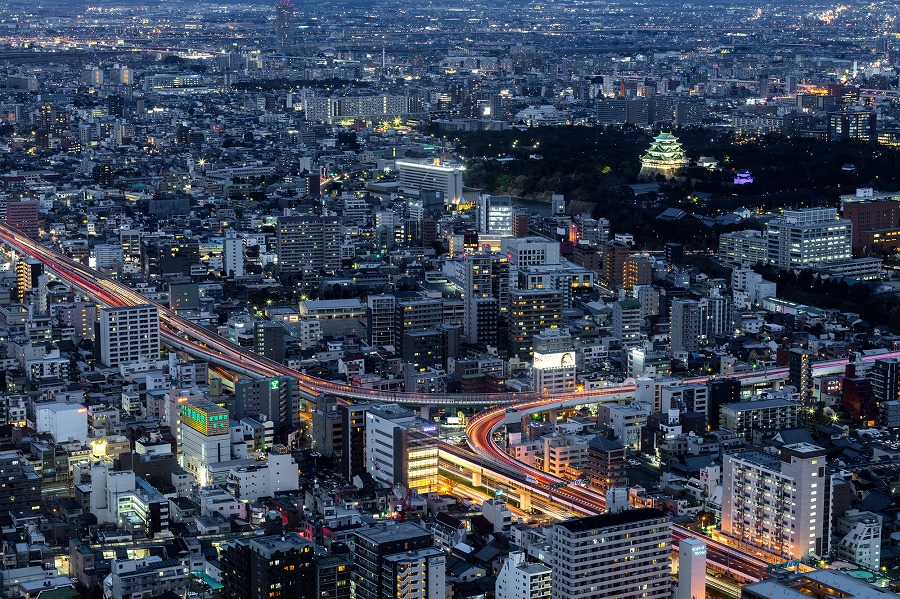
(416, 315)
(284, 27)
(233, 255)
(268, 339)
(686, 328)
(523, 252)
(21, 485)
(615, 254)
(530, 312)
(309, 240)
(743, 417)
(371, 549)
(553, 368)
(876, 223)
(746, 247)
(380, 319)
(852, 126)
(205, 437)
(691, 569)
(800, 372)
(721, 391)
(353, 436)
(808, 237)
(494, 215)
(334, 576)
(445, 178)
(780, 504)
(519, 579)
(606, 464)
(127, 334)
(885, 376)
(624, 555)
(627, 321)
(28, 271)
(277, 398)
(23, 215)
(271, 566)
(401, 448)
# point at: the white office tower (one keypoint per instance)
(431, 176)
(528, 251)
(520, 580)
(128, 334)
(691, 569)
(553, 369)
(624, 555)
(205, 437)
(804, 238)
(233, 247)
(494, 215)
(778, 504)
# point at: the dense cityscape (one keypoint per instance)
(463, 300)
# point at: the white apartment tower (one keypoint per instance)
(780, 505)
(624, 555)
(128, 334)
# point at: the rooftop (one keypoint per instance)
(610, 520)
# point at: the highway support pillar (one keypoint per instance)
(525, 501)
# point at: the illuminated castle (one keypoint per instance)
(665, 156)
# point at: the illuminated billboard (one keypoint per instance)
(555, 360)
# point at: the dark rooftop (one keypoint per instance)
(608, 520)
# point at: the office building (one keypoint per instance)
(624, 555)
(530, 312)
(145, 577)
(22, 485)
(691, 569)
(276, 399)
(876, 222)
(352, 459)
(780, 504)
(857, 126)
(23, 215)
(553, 368)
(528, 251)
(686, 329)
(627, 322)
(415, 315)
(168, 256)
(807, 238)
(494, 215)
(415, 177)
(800, 373)
(269, 566)
(519, 579)
(233, 255)
(129, 334)
(313, 241)
(721, 391)
(371, 549)
(284, 27)
(401, 448)
(205, 437)
(742, 418)
(816, 584)
(268, 340)
(885, 377)
(264, 479)
(380, 319)
(606, 464)
(746, 247)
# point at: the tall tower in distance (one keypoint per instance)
(284, 27)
